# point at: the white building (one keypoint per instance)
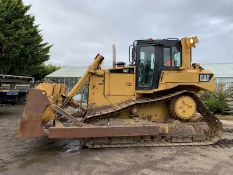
(67, 75)
(222, 72)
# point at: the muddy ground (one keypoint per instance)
(41, 156)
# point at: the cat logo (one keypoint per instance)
(205, 77)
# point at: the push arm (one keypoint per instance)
(96, 63)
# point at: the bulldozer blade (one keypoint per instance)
(103, 131)
(31, 119)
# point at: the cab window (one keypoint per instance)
(146, 66)
(166, 57)
(171, 57)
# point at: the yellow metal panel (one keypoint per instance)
(106, 83)
(96, 92)
(121, 84)
(99, 93)
(180, 77)
(156, 112)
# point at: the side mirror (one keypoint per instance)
(132, 54)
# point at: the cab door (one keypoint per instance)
(147, 67)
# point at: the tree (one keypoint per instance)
(22, 50)
(43, 70)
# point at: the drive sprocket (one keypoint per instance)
(182, 107)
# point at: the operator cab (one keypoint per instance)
(151, 57)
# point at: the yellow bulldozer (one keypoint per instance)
(152, 101)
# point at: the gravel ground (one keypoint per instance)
(42, 156)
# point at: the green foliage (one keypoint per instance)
(216, 101)
(42, 70)
(22, 50)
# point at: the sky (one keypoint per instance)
(79, 29)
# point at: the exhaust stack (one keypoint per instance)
(113, 55)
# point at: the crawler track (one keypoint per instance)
(171, 139)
